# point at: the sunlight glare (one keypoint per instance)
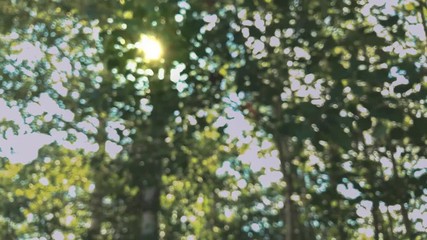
(150, 46)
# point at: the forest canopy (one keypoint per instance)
(213, 119)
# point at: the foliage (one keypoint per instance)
(333, 93)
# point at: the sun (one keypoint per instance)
(150, 46)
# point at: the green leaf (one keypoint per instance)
(397, 133)
(389, 113)
(380, 131)
(364, 123)
(419, 128)
(402, 88)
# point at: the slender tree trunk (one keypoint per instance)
(406, 221)
(309, 232)
(388, 230)
(291, 218)
(341, 223)
(372, 179)
(403, 210)
(289, 211)
(293, 230)
(341, 231)
(384, 229)
(149, 180)
(334, 180)
(95, 203)
(376, 220)
(148, 199)
(390, 225)
(150, 204)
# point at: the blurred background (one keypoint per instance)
(226, 119)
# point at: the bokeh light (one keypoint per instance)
(150, 46)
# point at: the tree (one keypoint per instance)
(335, 90)
(312, 75)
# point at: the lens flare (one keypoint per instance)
(150, 46)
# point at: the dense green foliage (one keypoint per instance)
(266, 119)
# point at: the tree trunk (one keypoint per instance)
(96, 217)
(308, 232)
(384, 230)
(335, 179)
(387, 230)
(403, 210)
(149, 181)
(376, 221)
(291, 220)
(406, 221)
(390, 225)
(291, 216)
(150, 204)
(97, 164)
